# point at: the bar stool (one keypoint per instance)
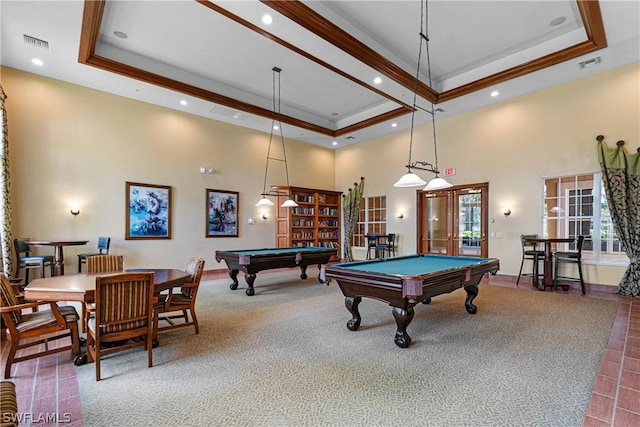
(571, 257)
(103, 249)
(530, 252)
(27, 261)
(373, 239)
(389, 247)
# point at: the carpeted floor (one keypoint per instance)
(284, 357)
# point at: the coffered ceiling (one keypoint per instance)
(218, 56)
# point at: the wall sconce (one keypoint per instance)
(75, 211)
(506, 212)
(400, 215)
(265, 216)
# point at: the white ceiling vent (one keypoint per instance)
(32, 41)
(590, 62)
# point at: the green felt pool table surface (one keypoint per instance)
(413, 265)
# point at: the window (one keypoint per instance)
(372, 219)
(577, 205)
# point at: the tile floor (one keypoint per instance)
(48, 392)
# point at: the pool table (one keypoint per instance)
(251, 261)
(404, 281)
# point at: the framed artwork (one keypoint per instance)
(222, 213)
(148, 211)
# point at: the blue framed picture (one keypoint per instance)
(148, 211)
(222, 213)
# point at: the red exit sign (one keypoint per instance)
(449, 171)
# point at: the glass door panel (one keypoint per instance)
(435, 229)
(469, 213)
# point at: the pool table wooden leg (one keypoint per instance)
(352, 305)
(403, 318)
(250, 278)
(234, 276)
(472, 292)
(303, 272)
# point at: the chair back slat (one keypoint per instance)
(21, 246)
(526, 245)
(105, 263)
(8, 298)
(123, 301)
(195, 267)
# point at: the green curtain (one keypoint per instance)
(621, 178)
(350, 212)
(5, 193)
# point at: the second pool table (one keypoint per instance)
(252, 261)
(404, 281)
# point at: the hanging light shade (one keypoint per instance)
(437, 183)
(410, 179)
(265, 201)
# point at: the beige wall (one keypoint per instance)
(512, 145)
(75, 146)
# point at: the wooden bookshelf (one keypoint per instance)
(315, 222)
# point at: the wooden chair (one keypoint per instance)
(27, 261)
(103, 249)
(123, 316)
(99, 264)
(25, 330)
(530, 252)
(105, 263)
(571, 257)
(8, 404)
(184, 301)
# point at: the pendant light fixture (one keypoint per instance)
(410, 179)
(265, 201)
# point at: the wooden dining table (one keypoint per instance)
(547, 278)
(81, 288)
(58, 254)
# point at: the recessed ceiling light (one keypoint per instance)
(394, 125)
(377, 80)
(267, 19)
(37, 61)
(335, 143)
(275, 127)
(495, 93)
(557, 21)
(120, 34)
(183, 102)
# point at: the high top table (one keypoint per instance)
(547, 279)
(58, 255)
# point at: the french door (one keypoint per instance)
(454, 221)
